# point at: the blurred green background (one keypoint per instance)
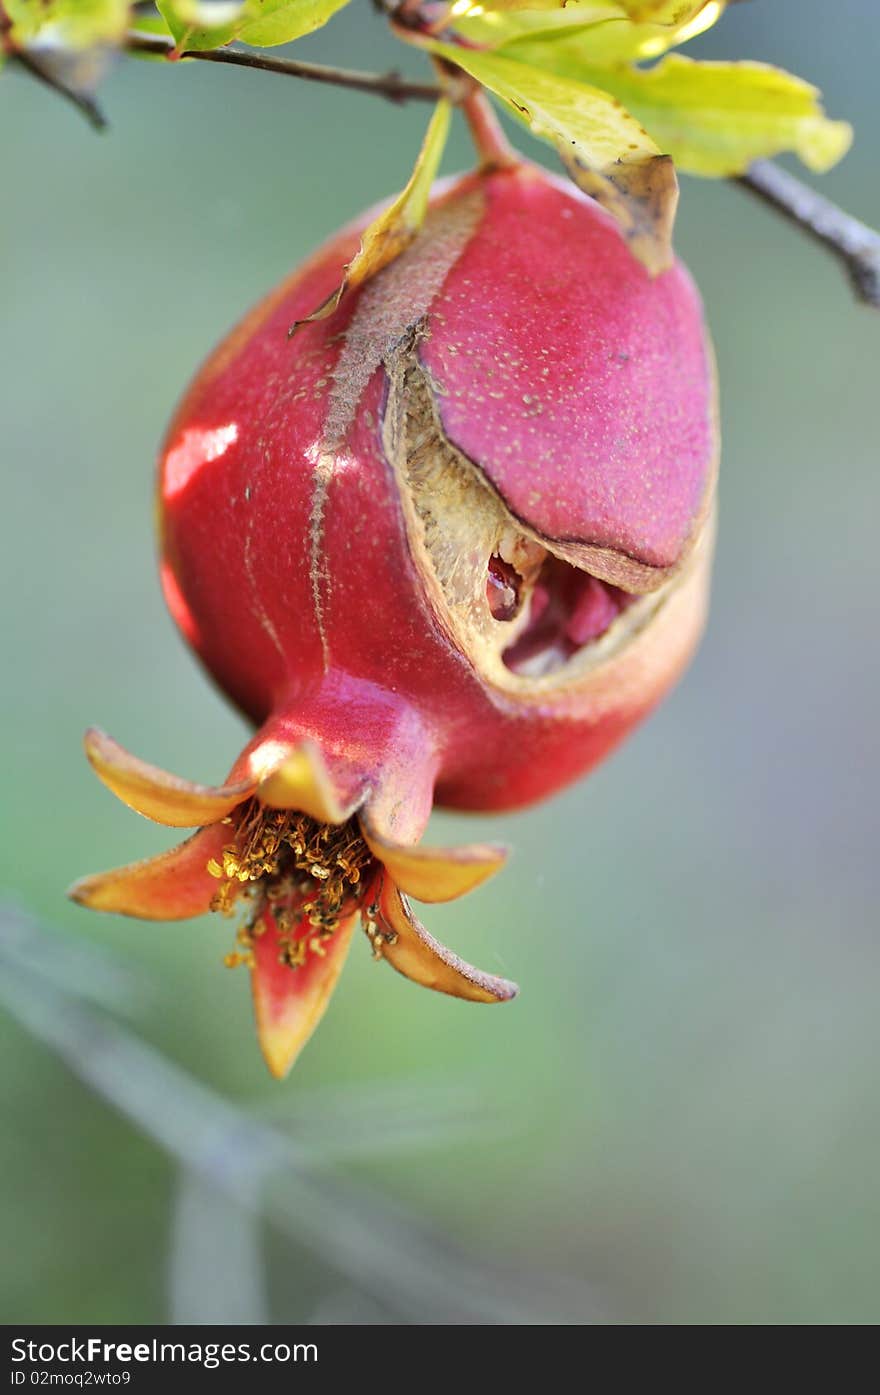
(677, 1121)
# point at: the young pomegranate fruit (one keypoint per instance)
(447, 545)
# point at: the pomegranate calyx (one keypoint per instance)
(298, 861)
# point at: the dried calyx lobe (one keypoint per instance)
(455, 533)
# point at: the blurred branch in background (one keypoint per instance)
(80, 970)
(46, 72)
(216, 1264)
(237, 1170)
(854, 244)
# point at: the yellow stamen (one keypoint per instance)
(378, 938)
(308, 875)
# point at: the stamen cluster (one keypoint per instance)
(309, 876)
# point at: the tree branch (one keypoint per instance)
(486, 131)
(854, 244)
(389, 85)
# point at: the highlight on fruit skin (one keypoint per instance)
(446, 546)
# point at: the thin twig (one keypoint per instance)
(389, 85)
(487, 134)
(855, 244)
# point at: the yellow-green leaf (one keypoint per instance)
(604, 30)
(397, 225)
(273, 22)
(716, 118)
(197, 24)
(151, 24)
(495, 28)
(73, 24)
(584, 9)
(639, 38)
(603, 147)
(713, 118)
(670, 12)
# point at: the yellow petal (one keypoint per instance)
(154, 793)
(409, 949)
(289, 1003)
(436, 874)
(173, 886)
(302, 782)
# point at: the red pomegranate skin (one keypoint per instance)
(582, 391)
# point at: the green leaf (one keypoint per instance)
(676, 13)
(495, 28)
(668, 12)
(617, 31)
(584, 9)
(196, 24)
(69, 24)
(604, 28)
(396, 226)
(636, 39)
(712, 118)
(151, 24)
(604, 149)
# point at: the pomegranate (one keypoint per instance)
(446, 546)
